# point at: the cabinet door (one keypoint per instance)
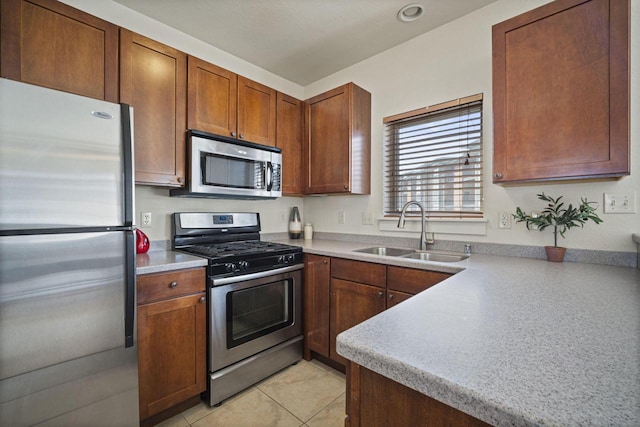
(256, 112)
(316, 304)
(351, 303)
(171, 352)
(153, 81)
(337, 141)
(561, 92)
(289, 140)
(327, 153)
(212, 98)
(396, 297)
(47, 43)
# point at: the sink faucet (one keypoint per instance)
(423, 237)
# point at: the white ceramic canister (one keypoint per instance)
(308, 231)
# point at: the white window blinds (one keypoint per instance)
(434, 156)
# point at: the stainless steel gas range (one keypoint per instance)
(254, 298)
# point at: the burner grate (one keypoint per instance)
(237, 248)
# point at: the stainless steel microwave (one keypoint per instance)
(223, 167)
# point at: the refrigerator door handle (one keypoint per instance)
(126, 114)
(130, 288)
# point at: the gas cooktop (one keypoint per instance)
(231, 242)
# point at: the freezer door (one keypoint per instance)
(63, 160)
(63, 359)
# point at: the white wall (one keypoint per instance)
(450, 62)
(455, 61)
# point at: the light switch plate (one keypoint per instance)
(620, 203)
(367, 218)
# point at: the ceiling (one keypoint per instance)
(301, 40)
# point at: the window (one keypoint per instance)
(434, 156)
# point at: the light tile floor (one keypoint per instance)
(308, 394)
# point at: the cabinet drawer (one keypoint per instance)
(158, 286)
(411, 280)
(358, 271)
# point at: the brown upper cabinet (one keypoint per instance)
(289, 126)
(212, 97)
(224, 103)
(561, 92)
(153, 80)
(337, 142)
(50, 44)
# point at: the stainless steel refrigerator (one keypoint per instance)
(68, 355)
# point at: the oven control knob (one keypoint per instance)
(291, 258)
(282, 259)
(243, 265)
(230, 267)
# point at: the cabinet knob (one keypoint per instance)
(498, 175)
(180, 180)
(173, 285)
(242, 136)
(380, 294)
(390, 296)
(233, 134)
(324, 261)
(203, 299)
(346, 187)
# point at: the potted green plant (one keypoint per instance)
(560, 218)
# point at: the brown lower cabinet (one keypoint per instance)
(375, 400)
(171, 339)
(341, 293)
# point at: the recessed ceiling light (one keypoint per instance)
(410, 12)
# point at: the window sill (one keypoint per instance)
(466, 226)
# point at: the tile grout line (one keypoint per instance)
(280, 405)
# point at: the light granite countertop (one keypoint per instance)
(163, 261)
(515, 341)
(511, 341)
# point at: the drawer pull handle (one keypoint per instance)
(173, 285)
(203, 299)
(380, 294)
(390, 296)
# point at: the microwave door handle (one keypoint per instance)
(269, 180)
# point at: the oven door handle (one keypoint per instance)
(259, 275)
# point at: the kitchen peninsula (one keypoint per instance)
(511, 341)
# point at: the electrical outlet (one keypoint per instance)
(620, 203)
(145, 219)
(342, 218)
(283, 217)
(367, 218)
(504, 220)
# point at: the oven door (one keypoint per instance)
(249, 314)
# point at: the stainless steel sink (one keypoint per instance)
(414, 254)
(380, 250)
(436, 256)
